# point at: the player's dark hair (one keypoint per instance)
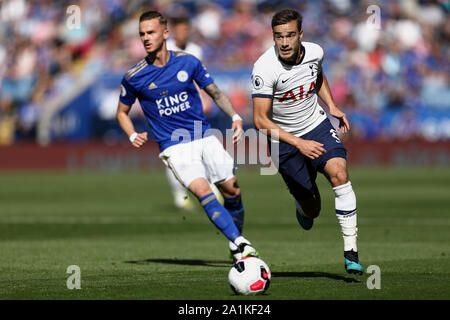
(149, 15)
(178, 20)
(286, 16)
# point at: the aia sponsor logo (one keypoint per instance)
(290, 95)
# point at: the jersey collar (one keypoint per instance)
(151, 64)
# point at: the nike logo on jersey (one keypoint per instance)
(283, 81)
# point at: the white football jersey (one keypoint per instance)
(292, 88)
(191, 48)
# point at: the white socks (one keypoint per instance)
(345, 204)
(238, 241)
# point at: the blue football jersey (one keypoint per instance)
(168, 97)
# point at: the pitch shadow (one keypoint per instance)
(314, 274)
(189, 262)
(228, 264)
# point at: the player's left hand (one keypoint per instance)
(238, 131)
(343, 122)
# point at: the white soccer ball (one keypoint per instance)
(249, 276)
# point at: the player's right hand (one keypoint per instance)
(140, 139)
(310, 148)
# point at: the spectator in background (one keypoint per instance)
(404, 64)
(181, 30)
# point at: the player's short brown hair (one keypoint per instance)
(286, 16)
(149, 15)
(179, 20)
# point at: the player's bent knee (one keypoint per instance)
(339, 178)
(232, 194)
(230, 188)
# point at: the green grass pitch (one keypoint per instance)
(129, 242)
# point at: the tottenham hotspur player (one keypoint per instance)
(287, 79)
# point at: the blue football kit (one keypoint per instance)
(168, 96)
(172, 106)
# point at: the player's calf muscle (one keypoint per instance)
(311, 207)
(200, 187)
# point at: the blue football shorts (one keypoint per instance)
(298, 171)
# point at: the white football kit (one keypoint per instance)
(295, 108)
(203, 158)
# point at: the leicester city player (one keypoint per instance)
(179, 41)
(287, 79)
(163, 83)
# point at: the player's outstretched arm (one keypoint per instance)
(324, 93)
(225, 104)
(124, 120)
(261, 108)
(220, 99)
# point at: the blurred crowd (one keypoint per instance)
(393, 55)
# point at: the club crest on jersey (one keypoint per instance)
(182, 76)
(258, 82)
(314, 68)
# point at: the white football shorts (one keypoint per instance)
(202, 158)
